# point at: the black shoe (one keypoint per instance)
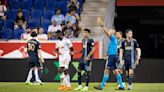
(98, 87)
(120, 88)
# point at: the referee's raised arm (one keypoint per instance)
(101, 23)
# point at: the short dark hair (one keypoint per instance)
(87, 30)
(19, 11)
(128, 30)
(57, 9)
(119, 31)
(58, 31)
(33, 34)
(71, 9)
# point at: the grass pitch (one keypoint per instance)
(53, 87)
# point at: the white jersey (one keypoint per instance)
(64, 46)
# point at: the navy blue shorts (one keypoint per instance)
(112, 62)
(86, 66)
(129, 65)
(34, 64)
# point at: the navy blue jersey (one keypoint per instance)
(32, 48)
(129, 48)
(119, 45)
(87, 47)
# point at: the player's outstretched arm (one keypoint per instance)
(101, 23)
(40, 56)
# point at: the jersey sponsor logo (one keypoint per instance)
(128, 48)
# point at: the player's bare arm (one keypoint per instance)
(25, 49)
(40, 56)
(90, 53)
(55, 52)
(101, 23)
(137, 56)
(71, 51)
(121, 57)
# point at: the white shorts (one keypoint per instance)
(64, 61)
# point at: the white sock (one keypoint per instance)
(62, 76)
(37, 75)
(29, 76)
(67, 80)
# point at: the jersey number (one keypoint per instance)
(31, 46)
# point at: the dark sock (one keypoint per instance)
(79, 78)
(33, 76)
(130, 80)
(122, 77)
(127, 78)
(87, 78)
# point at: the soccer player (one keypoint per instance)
(130, 51)
(86, 59)
(34, 52)
(112, 58)
(64, 47)
(119, 66)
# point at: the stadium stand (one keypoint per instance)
(26, 4)
(37, 13)
(14, 4)
(47, 14)
(44, 24)
(26, 14)
(11, 14)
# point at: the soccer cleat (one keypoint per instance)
(84, 89)
(61, 87)
(39, 82)
(119, 88)
(67, 88)
(129, 87)
(28, 83)
(119, 85)
(78, 88)
(98, 87)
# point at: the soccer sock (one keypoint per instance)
(127, 77)
(130, 80)
(79, 78)
(119, 79)
(122, 76)
(105, 78)
(29, 75)
(62, 76)
(40, 73)
(87, 79)
(36, 75)
(67, 80)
